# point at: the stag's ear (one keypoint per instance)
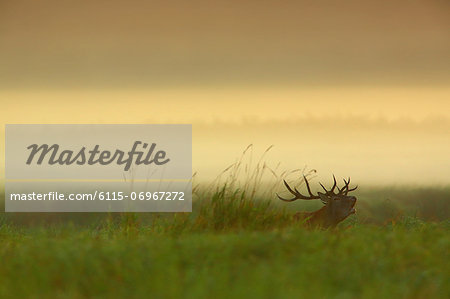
(324, 198)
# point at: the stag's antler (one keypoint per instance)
(345, 190)
(297, 195)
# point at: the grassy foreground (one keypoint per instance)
(360, 262)
(229, 247)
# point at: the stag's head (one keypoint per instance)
(338, 205)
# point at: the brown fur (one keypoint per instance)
(327, 216)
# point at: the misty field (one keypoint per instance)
(233, 246)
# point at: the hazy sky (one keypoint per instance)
(357, 88)
(54, 44)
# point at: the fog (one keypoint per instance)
(375, 135)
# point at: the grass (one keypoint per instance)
(401, 261)
(239, 242)
(228, 247)
(363, 262)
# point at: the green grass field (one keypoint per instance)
(232, 246)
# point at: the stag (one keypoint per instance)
(337, 205)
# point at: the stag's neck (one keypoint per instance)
(316, 218)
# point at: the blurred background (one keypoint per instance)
(355, 88)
